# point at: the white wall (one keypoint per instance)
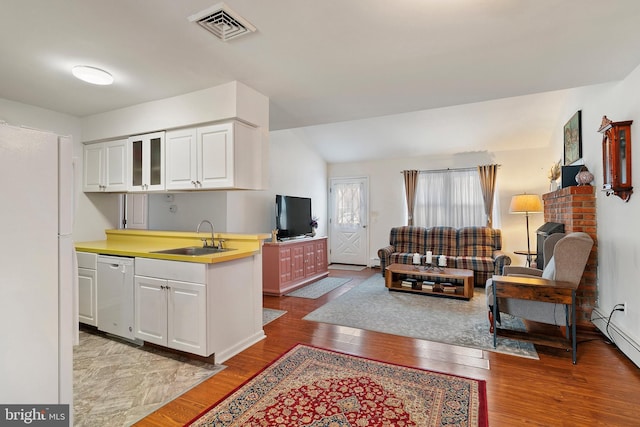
(94, 213)
(189, 210)
(297, 170)
(249, 211)
(223, 102)
(618, 226)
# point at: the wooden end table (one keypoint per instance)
(536, 289)
(395, 273)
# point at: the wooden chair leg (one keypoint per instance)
(491, 321)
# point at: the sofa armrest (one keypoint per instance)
(500, 260)
(521, 271)
(385, 255)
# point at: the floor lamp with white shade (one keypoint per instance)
(526, 204)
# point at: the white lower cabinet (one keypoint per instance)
(169, 312)
(87, 288)
(199, 308)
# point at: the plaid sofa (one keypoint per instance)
(472, 248)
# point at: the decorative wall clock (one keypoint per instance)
(616, 157)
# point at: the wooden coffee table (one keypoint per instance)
(396, 273)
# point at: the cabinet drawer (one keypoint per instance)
(171, 270)
(87, 260)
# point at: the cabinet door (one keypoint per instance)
(136, 162)
(181, 170)
(187, 317)
(146, 162)
(286, 264)
(309, 259)
(156, 161)
(215, 156)
(297, 262)
(321, 256)
(93, 170)
(137, 206)
(87, 297)
(115, 170)
(151, 310)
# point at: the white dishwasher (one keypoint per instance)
(115, 296)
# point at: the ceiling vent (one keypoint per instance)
(223, 22)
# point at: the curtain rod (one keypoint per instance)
(451, 169)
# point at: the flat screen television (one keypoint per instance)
(293, 216)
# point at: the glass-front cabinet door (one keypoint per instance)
(147, 162)
(136, 161)
(156, 145)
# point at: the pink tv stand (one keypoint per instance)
(292, 264)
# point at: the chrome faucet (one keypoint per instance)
(204, 241)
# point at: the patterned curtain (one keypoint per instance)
(410, 184)
(488, 175)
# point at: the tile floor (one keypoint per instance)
(117, 383)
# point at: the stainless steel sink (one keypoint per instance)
(193, 251)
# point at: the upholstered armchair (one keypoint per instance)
(565, 256)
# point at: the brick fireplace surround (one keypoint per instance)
(575, 207)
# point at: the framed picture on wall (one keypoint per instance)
(573, 139)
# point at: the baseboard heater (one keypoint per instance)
(625, 343)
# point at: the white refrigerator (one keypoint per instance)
(38, 278)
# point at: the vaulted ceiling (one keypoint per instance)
(318, 61)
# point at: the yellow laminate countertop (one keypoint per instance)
(142, 243)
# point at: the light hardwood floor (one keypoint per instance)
(602, 389)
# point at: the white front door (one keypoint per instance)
(349, 237)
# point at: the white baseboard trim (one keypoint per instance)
(625, 343)
(228, 353)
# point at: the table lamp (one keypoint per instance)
(526, 204)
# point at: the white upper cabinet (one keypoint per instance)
(181, 171)
(216, 154)
(220, 156)
(146, 161)
(105, 166)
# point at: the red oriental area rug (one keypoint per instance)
(309, 386)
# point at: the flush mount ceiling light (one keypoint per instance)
(92, 75)
(223, 22)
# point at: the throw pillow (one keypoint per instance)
(549, 271)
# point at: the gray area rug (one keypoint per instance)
(347, 267)
(271, 314)
(371, 306)
(117, 383)
(319, 288)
